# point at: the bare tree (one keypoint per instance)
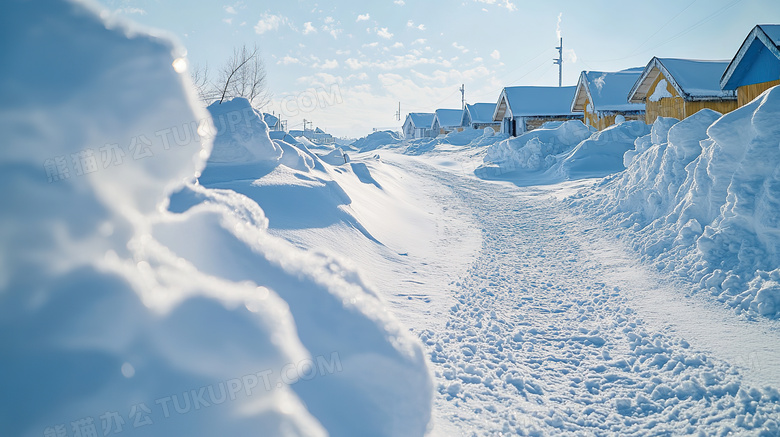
(244, 76)
(200, 78)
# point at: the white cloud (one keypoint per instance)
(230, 10)
(398, 45)
(308, 28)
(331, 27)
(370, 44)
(399, 2)
(460, 47)
(410, 23)
(288, 60)
(269, 22)
(384, 33)
(478, 59)
(363, 17)
(419, 41)
(229, 21)
(496, 55)
(503, 3)
(329, 64)
(130, 11)
(354, 64)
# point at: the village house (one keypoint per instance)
(525, 108)
(273, 122)
(679, 88)
(418, 125)
(601, 97)
(446, 121)
(479, 116)
(756, 66)
(316, 136)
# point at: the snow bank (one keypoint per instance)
(241, 134)
(601, 154)
(376, 140)
(117, 315)
(533, 151)
(700, 199)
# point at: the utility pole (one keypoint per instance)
(398, 114)
(462, 96)
(559, 62)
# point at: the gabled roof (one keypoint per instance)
(692, 79)
(607, 91)
(762, 41)
(481, 112)
(448, 117)
(531, 101)
(270, 120)
(421, 120)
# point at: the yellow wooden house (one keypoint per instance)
(602, 97)
(756, 66)
(679, 88)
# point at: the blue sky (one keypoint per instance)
(345, 65)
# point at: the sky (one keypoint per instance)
(346, 65)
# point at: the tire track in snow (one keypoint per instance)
(542, 341)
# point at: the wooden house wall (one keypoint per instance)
(747, 93)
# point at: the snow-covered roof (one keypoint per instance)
(270, 120)
(481, 112)
(692, 79)
(421, 120)
(761, 49)
(607, 91)
(449, 117)
(530, 101)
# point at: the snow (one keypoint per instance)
(377, 139)
(421, 120)
(661, 91)
(697, 199)
(697, 78)
(530, 101)
(409, 291)
(481, 112)
(194, 322)
(241, 134)
(449, 118)
(533, 151)
(602, 153)
(608, 91)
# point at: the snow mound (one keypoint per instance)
(700, 200)
(241, 134)
(376, 140)
(533, 151)
(601, 154)
(336, 157)
(119, 315)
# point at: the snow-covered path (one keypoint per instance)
(549, 333)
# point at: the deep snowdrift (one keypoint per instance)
(700, 198)
(118, 316)
(601, 154)
(533, 151)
